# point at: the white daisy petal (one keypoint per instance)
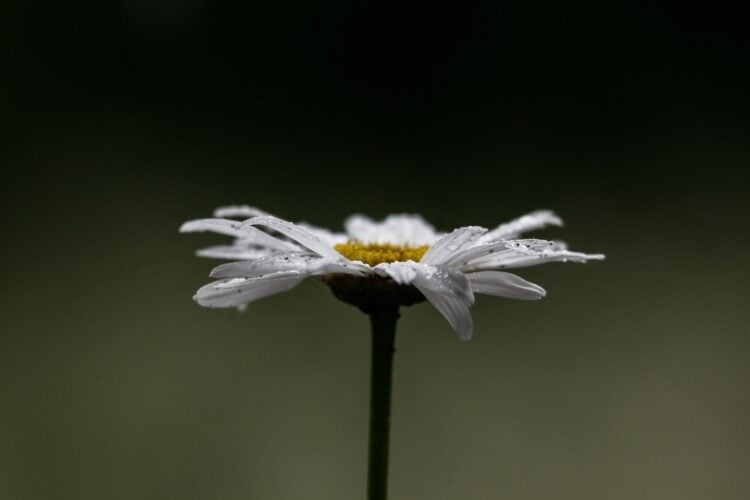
(236, 282)
(529, 222)
(233, 252)
(504, 285)
(504, 247)
(234, 228)
(220, 226)
(308, 264)
(234, 293)
(364, 229)
(243, 211)
(443, 280)
(295, 233)
(474, 252)
(401, 229)
(455, 310)
(514, 259)
(452, 244)
(255, 236)
(329, 237)
(535, 245)
(450, 293)
(360, 227)
(266, 265)
(342, 266)
(402, 273)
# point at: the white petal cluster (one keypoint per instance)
(272, 255)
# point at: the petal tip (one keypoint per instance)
(465, 336)
(186, 227)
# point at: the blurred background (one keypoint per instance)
(122, 119)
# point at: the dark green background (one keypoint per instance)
(122, 119)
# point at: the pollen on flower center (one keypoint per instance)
(377, 253)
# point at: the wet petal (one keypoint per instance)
(307, 264)
(512, 259)
(234, 228)
(239, 292)
(504, 247)
(220, 226)
(243, 211)
(452, 244)
(329, 237)
(266, 265)
(455, 310)
(399, 229)
(450, 293)
(295, 233)
(529, 222)
(233, 252)
(504, 285)
(402, 273)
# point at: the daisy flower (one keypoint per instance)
(376, 265)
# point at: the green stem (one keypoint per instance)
(383, 322)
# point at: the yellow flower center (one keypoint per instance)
(377, 253)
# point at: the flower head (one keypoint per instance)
(401, 260)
